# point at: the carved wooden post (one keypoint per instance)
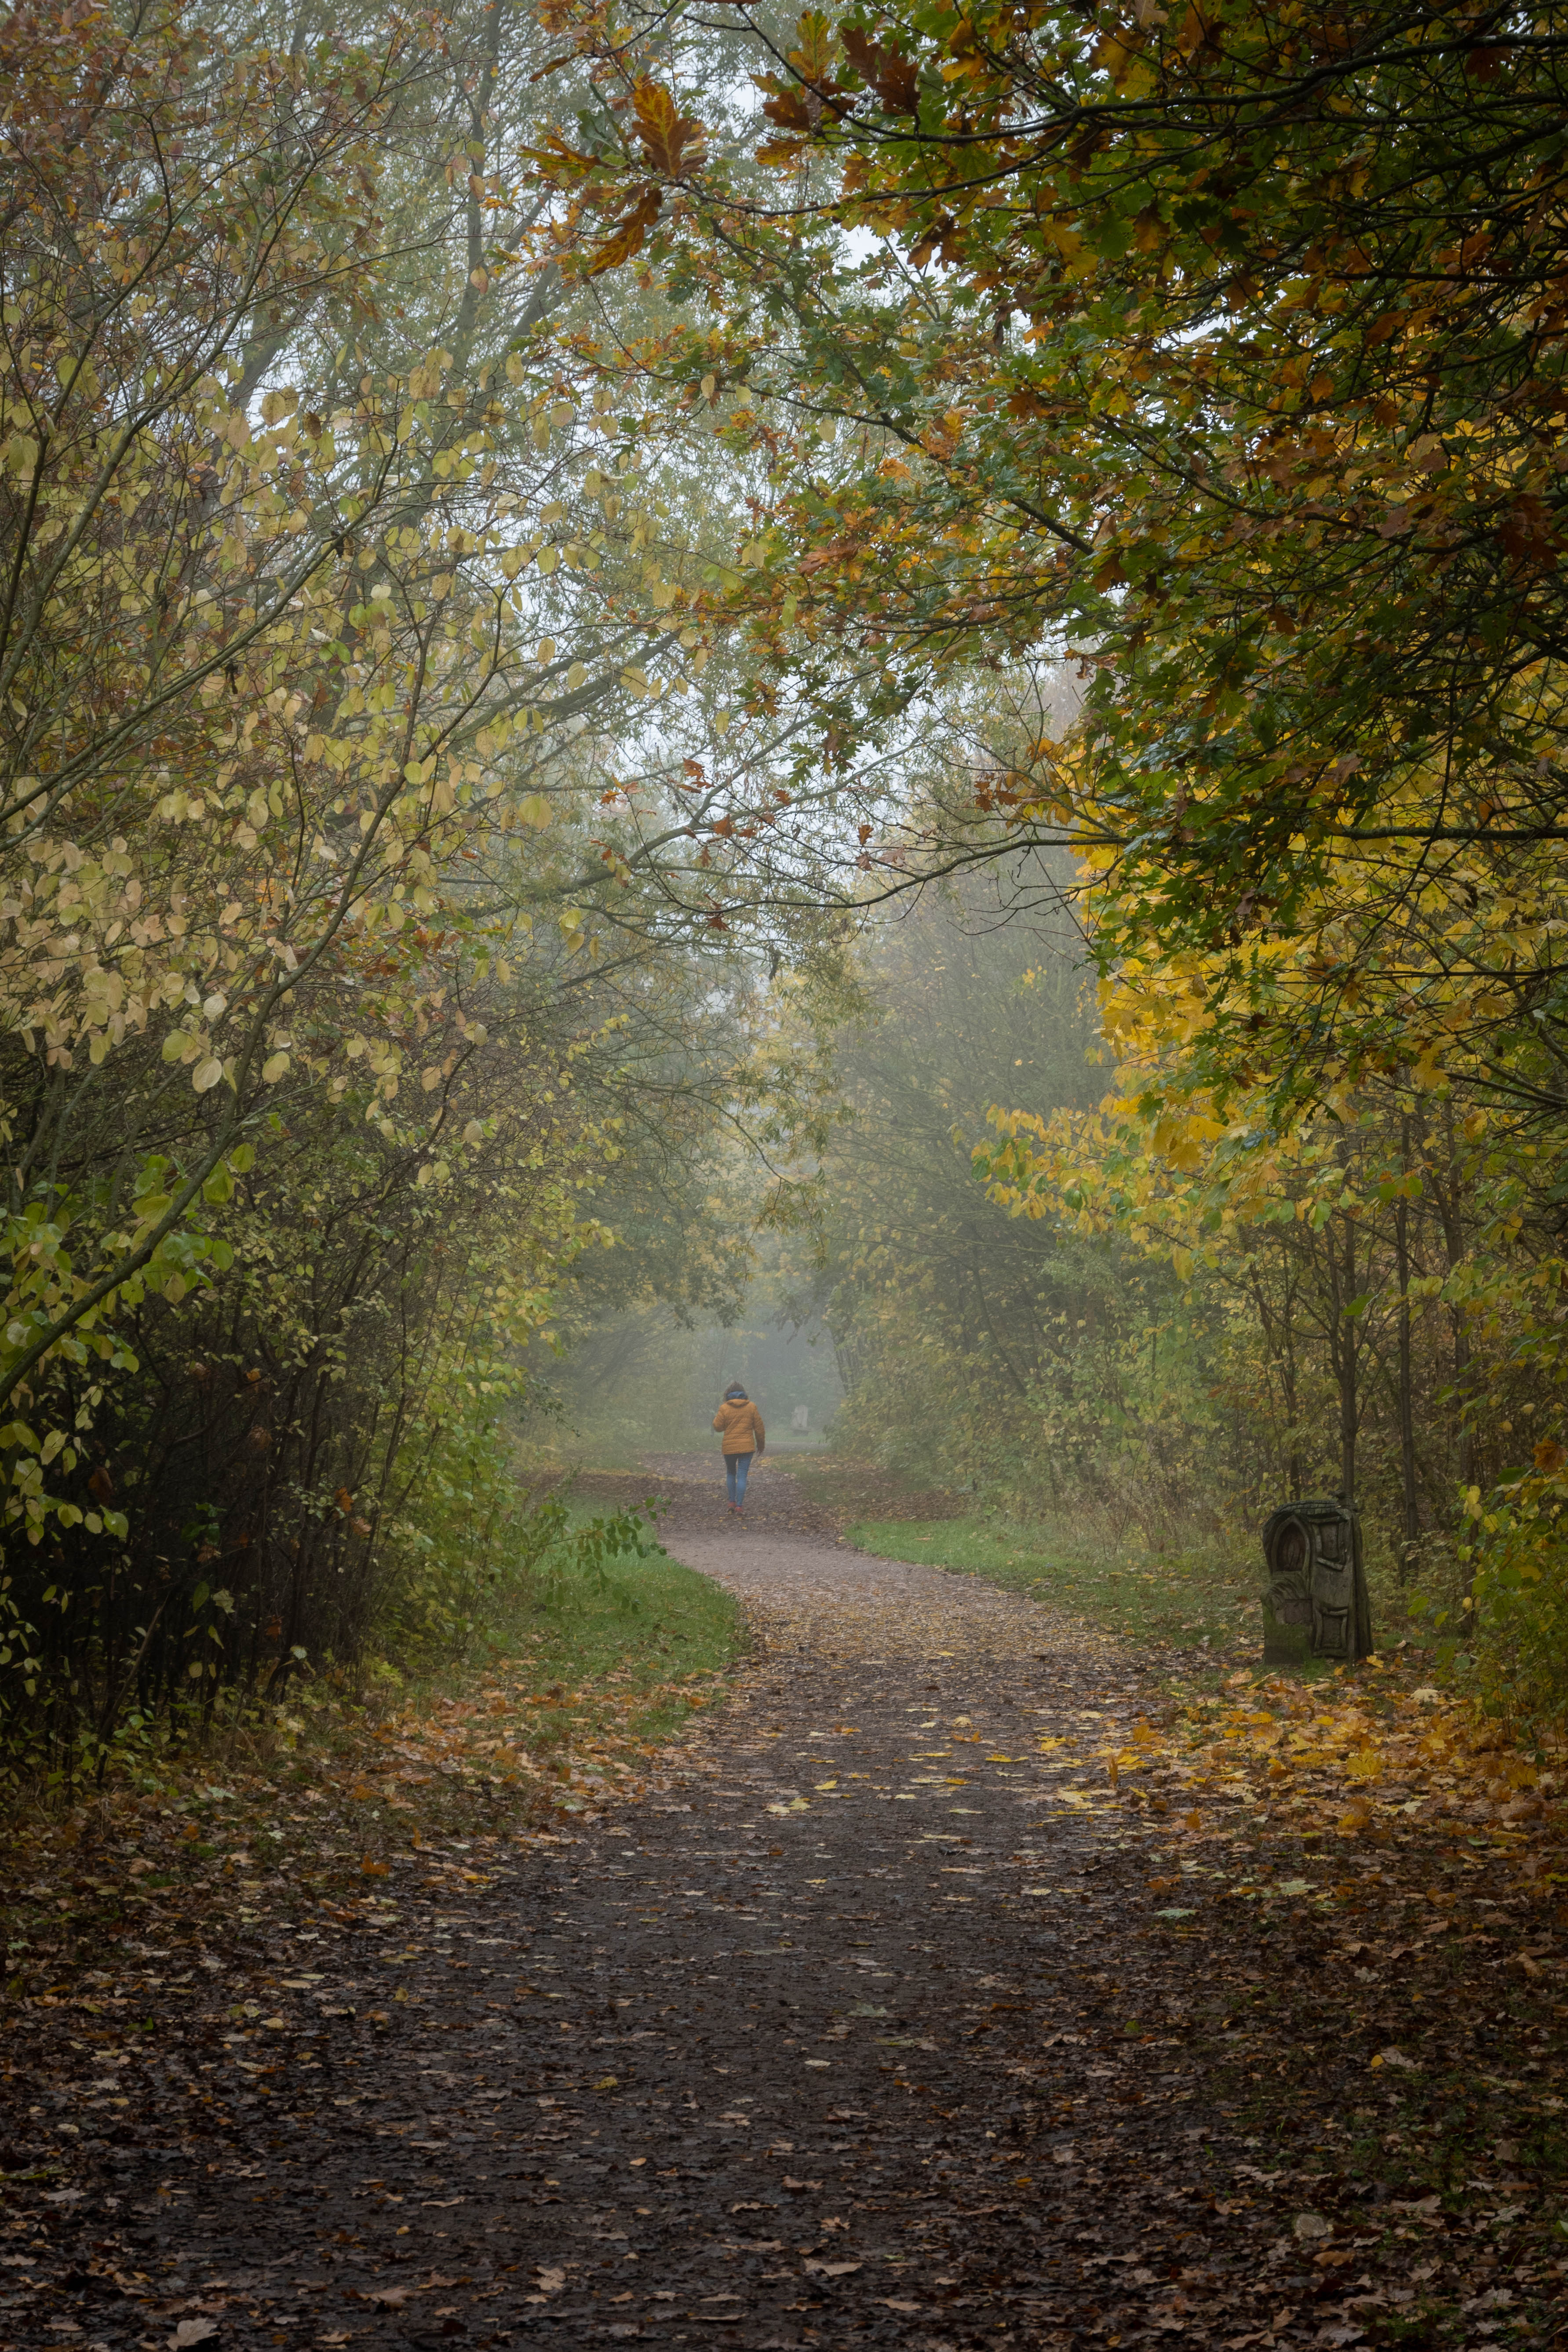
(1317, 1604)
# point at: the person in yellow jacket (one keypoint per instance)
(741, 1434)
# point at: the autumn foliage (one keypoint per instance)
(336, 945)
(1219, 350)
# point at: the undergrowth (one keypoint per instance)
(559, 1703)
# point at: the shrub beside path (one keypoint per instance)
(882, 2019)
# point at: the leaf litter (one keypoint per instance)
(954, 1982)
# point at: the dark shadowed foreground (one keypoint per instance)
(865, 2027)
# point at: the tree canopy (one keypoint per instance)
(1223, 346)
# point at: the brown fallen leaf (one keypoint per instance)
(831, 2270)
(551, 2281)
(192, 2331)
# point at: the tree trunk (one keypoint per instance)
(1292, 1400)
(1280, 1340)
(1343, 1351)
(1453, 1249)
(1411, 1513)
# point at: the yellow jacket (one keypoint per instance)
(741, 1426)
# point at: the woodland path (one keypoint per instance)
(857, 2030)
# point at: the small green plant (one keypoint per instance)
(585, 1551)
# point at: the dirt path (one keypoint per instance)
(862, 2029)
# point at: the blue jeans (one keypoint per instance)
(735, 1468)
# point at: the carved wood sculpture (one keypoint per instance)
(1317, 1604)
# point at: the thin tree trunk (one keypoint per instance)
(1343, 1350)
(1412, 1516)
(1281, 1345)
(1453, 1247)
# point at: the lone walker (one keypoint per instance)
(741, 1434)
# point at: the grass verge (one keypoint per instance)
(1195, 1600)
